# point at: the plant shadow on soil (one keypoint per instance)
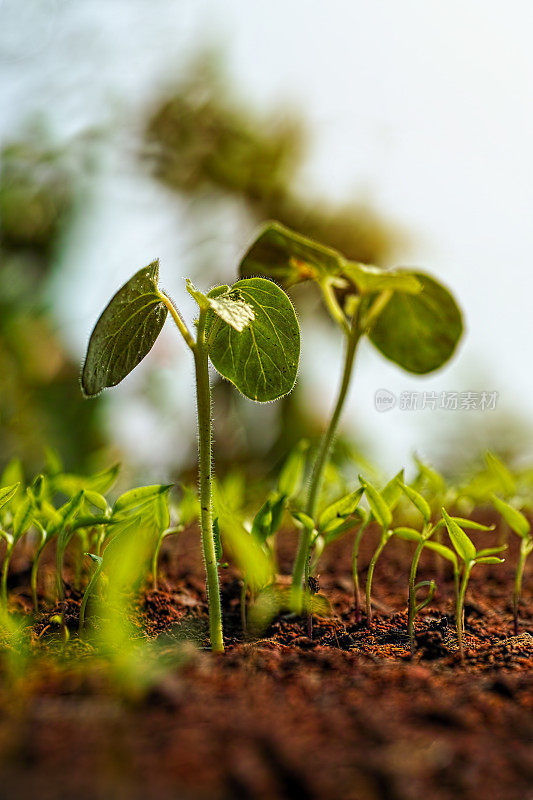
(347, 714)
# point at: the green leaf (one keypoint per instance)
(374, 279)
(490, 551)
(292, 472)
(7, 493)
(288, 257)
(443, 551)
(407, 534)
(392, 491)
(70, 484)
(262, 360)
(262, 523)
(135, 500)
(470, 524)
(125, 332)
(490, 560)
(23, 517)
(339, 510)
(502, 474)
(418, 501)
(513, 518)
(148, 504)
(378, 506)
(462, 544)
(431, 476)
(304, 519)
(419, 332)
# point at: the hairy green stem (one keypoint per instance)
(203, 399)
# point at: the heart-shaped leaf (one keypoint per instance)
(125, 332)
(261, 360)
(419, 332)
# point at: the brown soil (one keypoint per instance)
(346, 715)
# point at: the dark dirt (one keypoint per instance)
(348, 714)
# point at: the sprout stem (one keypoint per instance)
(460, 607)
(518, 582)
(412, 593)
(203, 398)
(355, 569)
(373, 561)
(323, 452)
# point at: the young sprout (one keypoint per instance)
(413, 320)
(20, 524)
(518, 523)
(391, 495)
(423, 540)
(93, 581)
(469, 557)
(250, 334)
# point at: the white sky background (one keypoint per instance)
(424, 109)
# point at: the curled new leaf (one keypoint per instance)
(262, 359)
(125, 332)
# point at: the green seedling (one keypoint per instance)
(411, 318)
(469, 557)
(518, 523)
(390, 495)
(91, 586)
(423, 540)
(381, 507)
(20, 524)
(250, 334)
(249, 550)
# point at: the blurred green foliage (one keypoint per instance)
(40, 400)
(202, 140)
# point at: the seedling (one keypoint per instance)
(381, 505)
(250, 334)
(469, 557)
(518, 523)
(411, 318)
(19, 526)
(423, 540)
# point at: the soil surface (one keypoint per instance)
(347, 714)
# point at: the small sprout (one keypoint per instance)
(469, 557)
(98, 560)
(521, 526)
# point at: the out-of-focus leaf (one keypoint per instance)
(513, 518)
(419, 332)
